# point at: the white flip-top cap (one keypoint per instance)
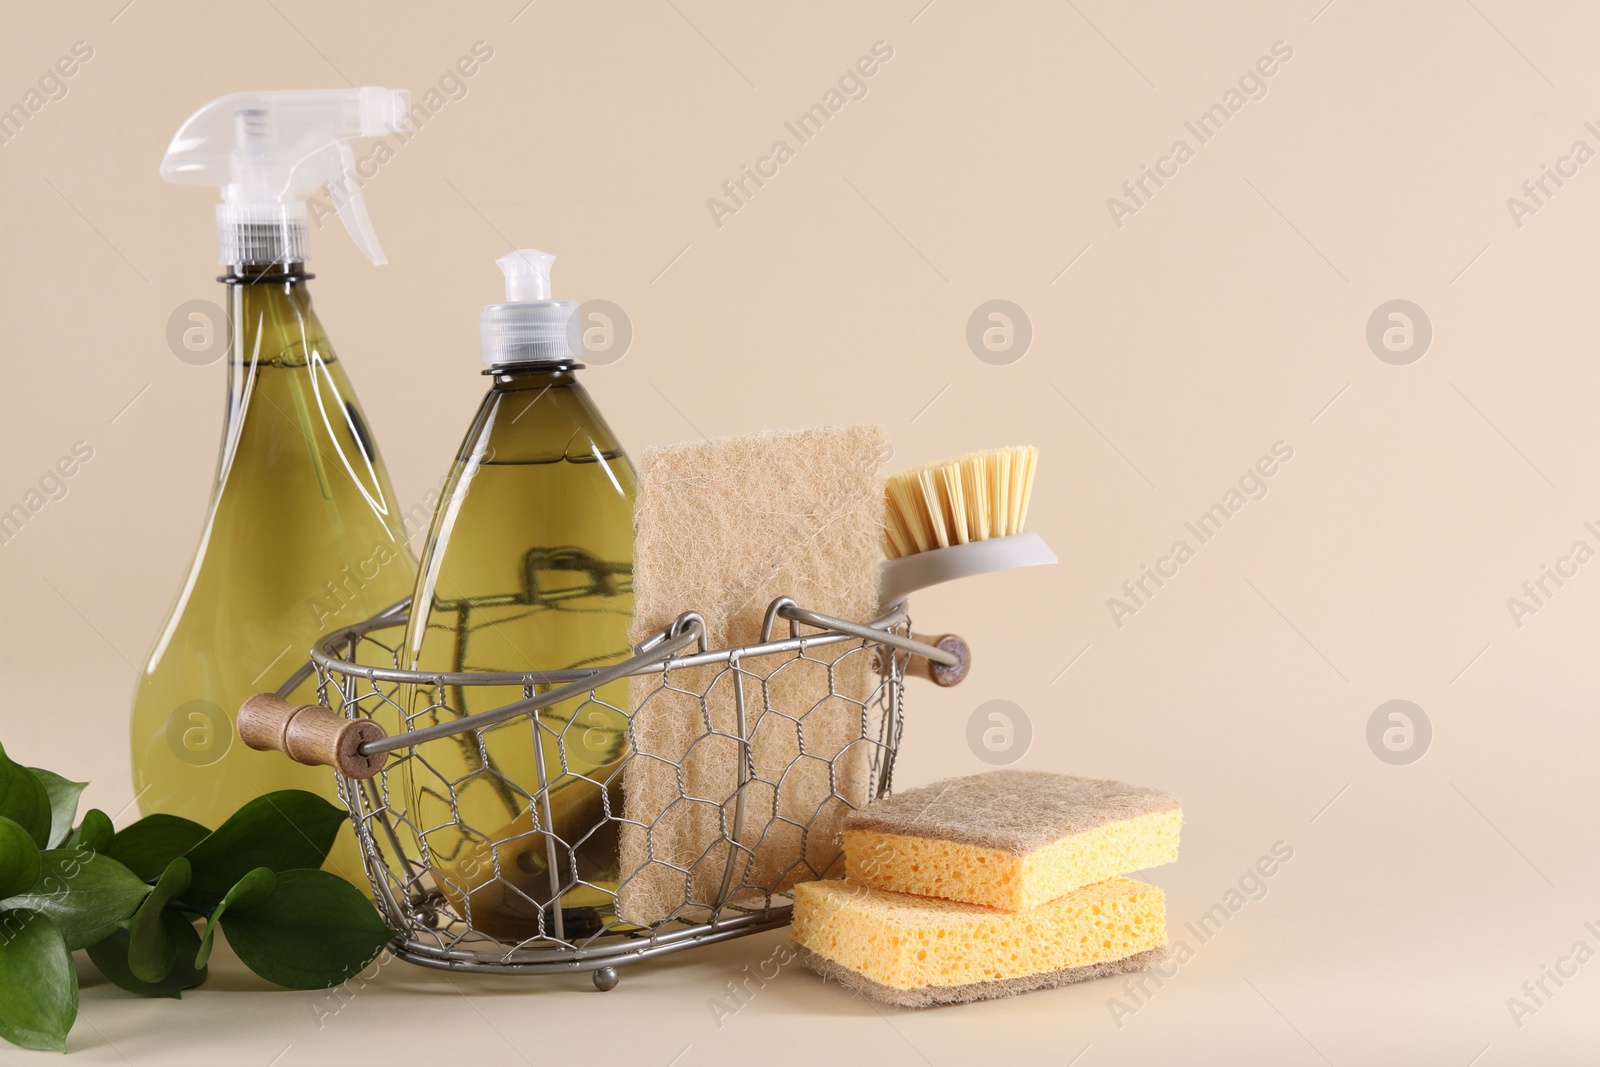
(529, 327)
(268, 151)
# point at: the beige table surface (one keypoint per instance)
(1177, 338)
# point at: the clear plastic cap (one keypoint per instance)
(269, 151)
(529, 327)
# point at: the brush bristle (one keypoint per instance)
(957, 501)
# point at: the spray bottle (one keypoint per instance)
(528, 567)
(303, 533)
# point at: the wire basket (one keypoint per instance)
(371, 712)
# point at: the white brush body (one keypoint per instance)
(918, 571)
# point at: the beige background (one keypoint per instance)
(1229, 313)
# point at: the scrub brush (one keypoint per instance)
(960, 517)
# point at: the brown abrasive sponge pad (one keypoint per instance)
(722, 528)
(916, 951)
(1010, 839)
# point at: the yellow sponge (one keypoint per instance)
(915, 951)
(1009, 839)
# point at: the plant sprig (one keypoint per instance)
(132, 898)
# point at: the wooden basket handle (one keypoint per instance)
(311, 735)
(938, 673)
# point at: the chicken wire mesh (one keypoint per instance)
(511, 841)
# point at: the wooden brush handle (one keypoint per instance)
(938, 673)
(311, 735)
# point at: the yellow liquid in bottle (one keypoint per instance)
(303, 535)
(528, 568)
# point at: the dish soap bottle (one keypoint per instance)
(528, 567)
(303, 533)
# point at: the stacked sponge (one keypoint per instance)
(994, 884)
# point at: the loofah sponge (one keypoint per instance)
(915, 951)
(723, 527)
(1010, 839)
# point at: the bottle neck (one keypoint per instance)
(269, 305)
(265, 274)
(514, 376)
(533, 413)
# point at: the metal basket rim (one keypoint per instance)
(327, 655)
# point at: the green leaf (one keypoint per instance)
(38, 985)
(251, 889)
(23, 798)
(151, 949)
(84, 894)
(312, 931)
(19, 859)
(111, 956)
(282, 831)
(94, 833)
(63, 803)
(146, 847)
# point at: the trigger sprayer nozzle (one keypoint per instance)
(268, 152)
